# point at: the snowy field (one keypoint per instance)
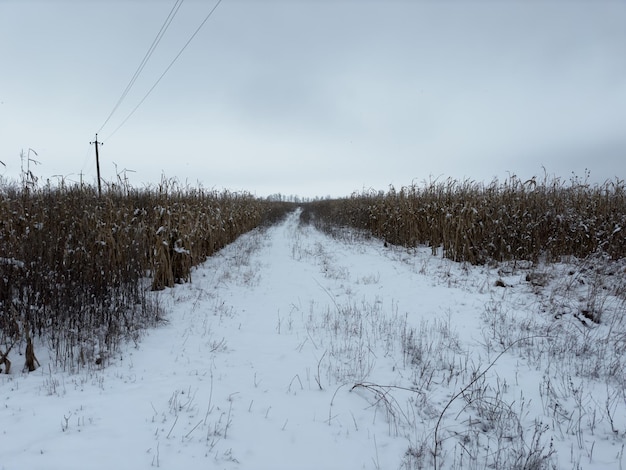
(293, 350)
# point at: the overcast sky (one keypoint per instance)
(316, 97)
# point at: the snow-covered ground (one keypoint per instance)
(290, 349)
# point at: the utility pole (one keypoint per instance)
(96, 143)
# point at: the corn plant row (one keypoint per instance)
(75, 267)
(478, 223)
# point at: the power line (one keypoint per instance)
(167, 69)
(146, 57)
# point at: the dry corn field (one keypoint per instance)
(75, 267)
(398, 352)
(477, 223)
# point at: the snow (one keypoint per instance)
(12, 262)
(286, 351)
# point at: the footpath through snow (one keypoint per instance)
(288, 349)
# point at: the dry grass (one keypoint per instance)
(74, 268)
(478, 223)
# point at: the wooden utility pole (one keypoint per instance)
(96, 143)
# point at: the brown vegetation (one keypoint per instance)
(478, 223)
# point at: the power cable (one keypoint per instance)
(146, 57)
(167, 69)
